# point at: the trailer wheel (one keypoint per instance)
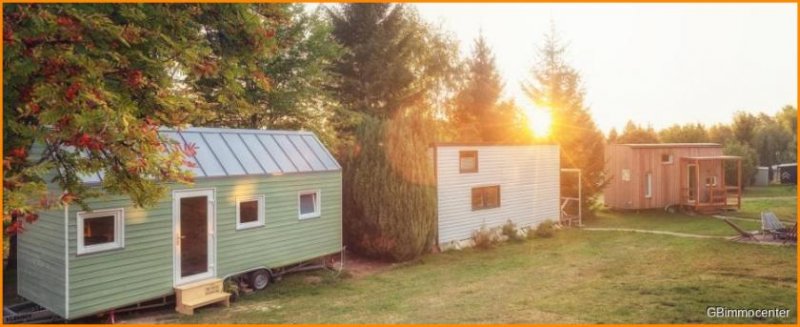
(259, 279)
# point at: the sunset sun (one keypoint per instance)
(539, 121)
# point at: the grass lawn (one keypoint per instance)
(780, 199)
(770, 191)
(661, 221)
(577, 276)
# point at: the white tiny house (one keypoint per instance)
(488, 185)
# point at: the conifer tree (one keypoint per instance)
(476, 115)
(392, 79)
(557, 86)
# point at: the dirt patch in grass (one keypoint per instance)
(358, 266)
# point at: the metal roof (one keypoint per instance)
(673, 145)
(223, 152)
(713, 158)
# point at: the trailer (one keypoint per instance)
(261, 200)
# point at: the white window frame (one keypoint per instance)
(261, 212)
(317, 205)
(119, 230)
(670, 161)
(648, 185)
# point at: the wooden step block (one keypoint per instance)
(188, 305)
(191, 296)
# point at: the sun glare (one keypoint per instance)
(539, 121)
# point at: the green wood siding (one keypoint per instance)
(40, 265)
(143, 269)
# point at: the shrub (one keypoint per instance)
(510, 231)
(388, 194)
(483, 238)
(545, 229)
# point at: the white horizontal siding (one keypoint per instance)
(529, 188)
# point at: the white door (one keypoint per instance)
(194, 242)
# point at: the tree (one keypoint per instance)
(787, 118)
(87, 85)
(91, 83)
(721, 134)
(633, 133)
(743, 127)
(395, 218)
(476, 114)
(770, 141)
(298, 94)
(689, 133)
(557, 86)
(394, 78)
(392, 61)
(612, 136)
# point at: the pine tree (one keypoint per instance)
(392, 77)
(557, 86)
(476, 116)
(612, 136)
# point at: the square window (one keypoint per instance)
(626, 175)
(468, 161)
(666, 158)
(100, 230)
(485, 197)
(308, 204)
(249, 212)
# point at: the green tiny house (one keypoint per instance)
(261, 200)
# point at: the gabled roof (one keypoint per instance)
(223, 152)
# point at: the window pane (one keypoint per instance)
(308, 203)
(492, 197)
(477, 198)
(468, 161)
(248, 211)
(98, 230)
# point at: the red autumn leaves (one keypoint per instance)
(18, 217)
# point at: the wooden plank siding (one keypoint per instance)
(143, 269)
(41, 262)
(666, 177)
(528, 177)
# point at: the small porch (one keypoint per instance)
(711, 184)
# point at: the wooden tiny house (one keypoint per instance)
(689, 175)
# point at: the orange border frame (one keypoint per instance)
(797, 258)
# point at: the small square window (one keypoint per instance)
(249, 212)
(485, 197)
(100, 230)
(666, 158)
(308, 204)
(626, 175)
(468, 161)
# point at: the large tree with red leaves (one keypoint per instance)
(85, 87)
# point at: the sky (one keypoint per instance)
(655, 64)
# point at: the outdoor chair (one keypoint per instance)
(788, 235)
(770, 224)
(743, 234)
